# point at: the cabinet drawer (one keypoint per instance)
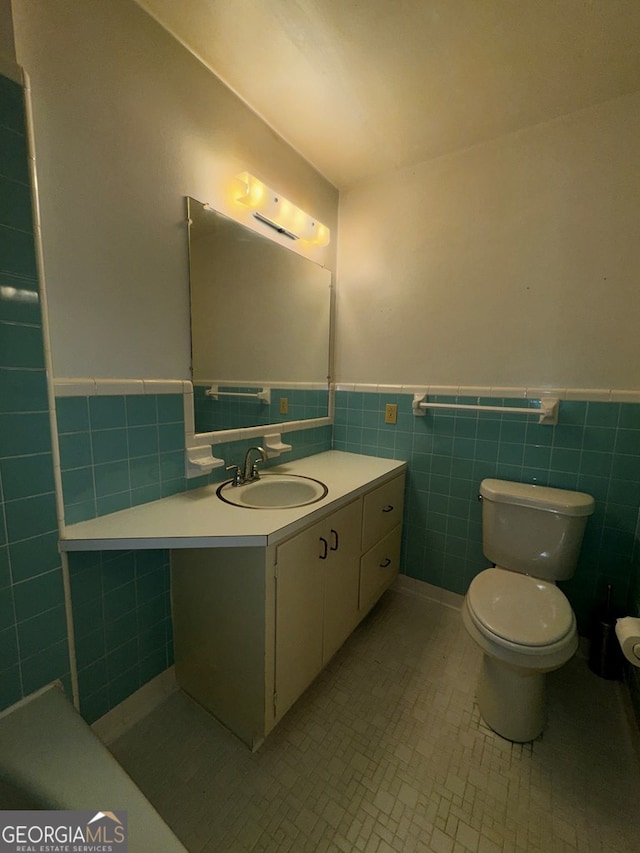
(378, 568)
(382, 511)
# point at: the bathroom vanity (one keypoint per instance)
(263, 598)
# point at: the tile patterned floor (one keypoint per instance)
(386, 752)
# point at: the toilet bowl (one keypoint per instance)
(521, 621)
(525, 628)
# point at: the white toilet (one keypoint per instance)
(516, 614)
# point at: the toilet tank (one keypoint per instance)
(534, 530)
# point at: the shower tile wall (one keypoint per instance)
(33, 628)
(595, 448)
(117, 452)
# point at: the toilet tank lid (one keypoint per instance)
(562, 501)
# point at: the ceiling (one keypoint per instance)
(360, 87)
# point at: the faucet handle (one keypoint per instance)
(254, 469)
(237, 476)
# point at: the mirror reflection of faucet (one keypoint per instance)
(249, 472)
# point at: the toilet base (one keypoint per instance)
(511, 700)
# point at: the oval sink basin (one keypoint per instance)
(274, 491)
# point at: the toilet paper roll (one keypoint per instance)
(628, 634)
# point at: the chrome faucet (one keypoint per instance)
(250, 470)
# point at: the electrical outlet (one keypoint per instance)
(284, 405)
(391, 413)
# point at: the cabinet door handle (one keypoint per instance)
(323, 556)
(386, 563)
(334, 533)
(388, 508)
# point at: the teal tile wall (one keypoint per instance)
(119, 451)
(122, 622)
(304, 442)
(33, 627)
(595, 448)
(238, 412)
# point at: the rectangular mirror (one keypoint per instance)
(260, 327)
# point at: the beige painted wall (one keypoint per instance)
(127, 123)
(515, 262)
(7, 48)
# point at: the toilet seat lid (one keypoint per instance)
(520, 608)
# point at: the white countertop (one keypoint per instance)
(199, 519)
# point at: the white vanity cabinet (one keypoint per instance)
(254, 626)
(262, 599)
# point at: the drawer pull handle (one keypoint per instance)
(323, 556)
(334, 533)
(388, 508)
(386, 563)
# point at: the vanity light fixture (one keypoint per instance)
(274, 210)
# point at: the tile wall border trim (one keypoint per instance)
(82, 386)
(91, 387)
(593, 395)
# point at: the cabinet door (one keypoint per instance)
(299, 613)
(342, 577)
